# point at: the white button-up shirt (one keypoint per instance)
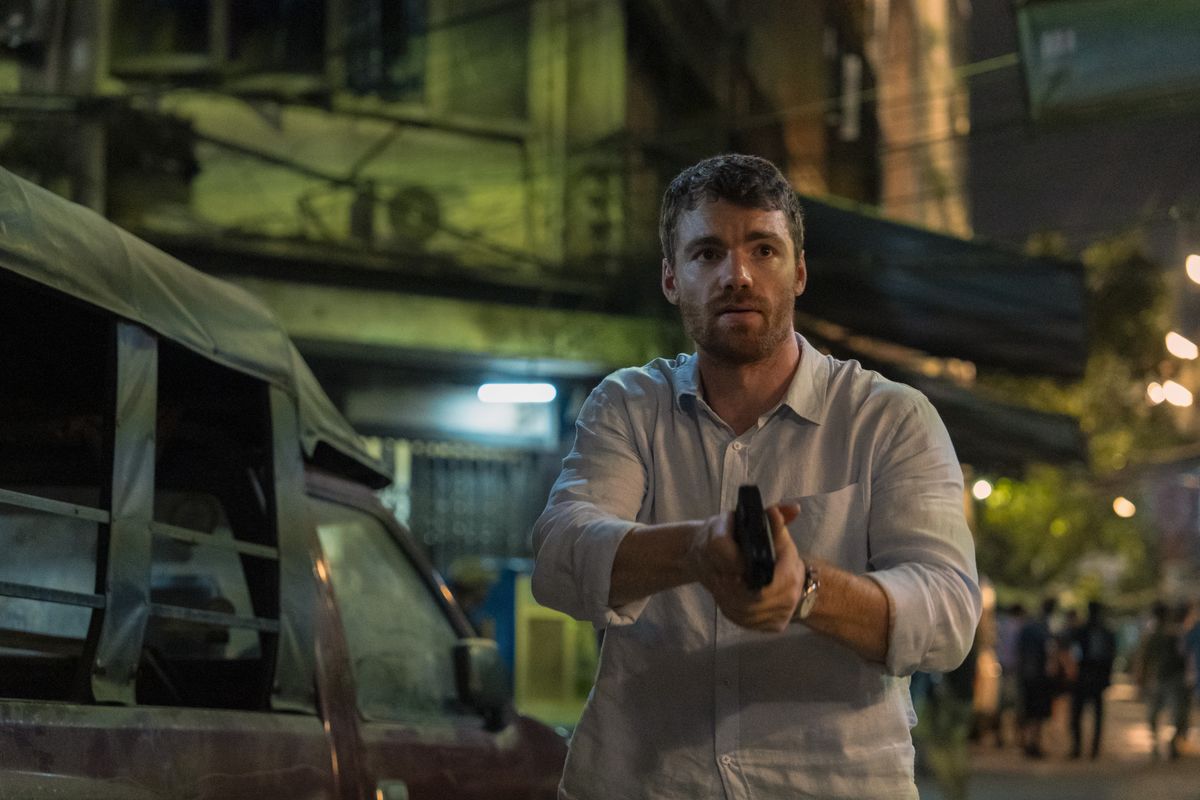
(687, 704)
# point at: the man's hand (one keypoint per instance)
(854, 609)
(717, 564)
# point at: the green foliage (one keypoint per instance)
(1128, 304)
(1054, 526)
(1127, 325)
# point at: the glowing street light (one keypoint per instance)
(1193, 267)
(1123, 508)
(1154, 393)
(981, 489)
(1181, 347)
(1176, 395)
(517, 393)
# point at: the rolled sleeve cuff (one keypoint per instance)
(920, 635)
(908, 621)
(573, 571)
(596, 551)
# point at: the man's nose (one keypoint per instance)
(735, 272)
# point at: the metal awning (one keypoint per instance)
(943, 295)
(988, 434)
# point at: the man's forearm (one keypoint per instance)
(651, 559)
(853, 610)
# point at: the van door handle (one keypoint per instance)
(391, 790)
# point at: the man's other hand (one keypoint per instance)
(717, 564)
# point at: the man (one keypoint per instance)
(1161, 672)
(1037, 665)
(1095, 648)
(706, 688)
(1191, 645)
(1008, 631)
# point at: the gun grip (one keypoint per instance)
(752, 532)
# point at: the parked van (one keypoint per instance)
(200, 596)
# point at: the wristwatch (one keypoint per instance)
(808, 595)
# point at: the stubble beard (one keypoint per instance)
(731, 346)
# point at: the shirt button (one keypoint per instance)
(737, 445)
(727, 760)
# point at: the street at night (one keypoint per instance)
(599, 399)
(1124, 771)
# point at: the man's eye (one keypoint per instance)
(707, 254)
(765, 250)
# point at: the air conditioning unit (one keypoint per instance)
(25, 26)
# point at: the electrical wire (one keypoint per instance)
(473, 50)
(893, 109)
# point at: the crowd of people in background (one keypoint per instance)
(1054, 658)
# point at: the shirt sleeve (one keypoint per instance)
(592, 506)
(921, 550)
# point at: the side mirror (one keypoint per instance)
(482, 680)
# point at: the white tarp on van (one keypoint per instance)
(59, 244)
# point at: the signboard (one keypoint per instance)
(1088, 58)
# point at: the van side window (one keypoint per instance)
(56, 415)
(214, 575)
(400, 641)
(42, 638)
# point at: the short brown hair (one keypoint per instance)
(743, 180)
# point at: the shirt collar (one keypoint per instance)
(805, 395)
(686, 379)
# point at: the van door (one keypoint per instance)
(400, 632)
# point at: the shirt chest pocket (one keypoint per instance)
(833, 526)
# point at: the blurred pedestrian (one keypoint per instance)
(1094, 646)
(1161, 673)
(1008, 630)
(1191, 646)
(985, 692)
(1064, 664)
(1036, 651)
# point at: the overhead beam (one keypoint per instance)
(437, 325)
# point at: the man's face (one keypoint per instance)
(735, 278)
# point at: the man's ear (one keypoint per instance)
(801, 274)
(669, 289)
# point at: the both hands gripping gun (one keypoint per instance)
(752, 533)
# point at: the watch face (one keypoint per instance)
(806, 604)
(811, 584)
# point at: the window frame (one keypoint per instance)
(216, 60)
(121, 607)
(324, 487)
(269, 628)
(433, 105)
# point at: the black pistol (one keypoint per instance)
(752, 532)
